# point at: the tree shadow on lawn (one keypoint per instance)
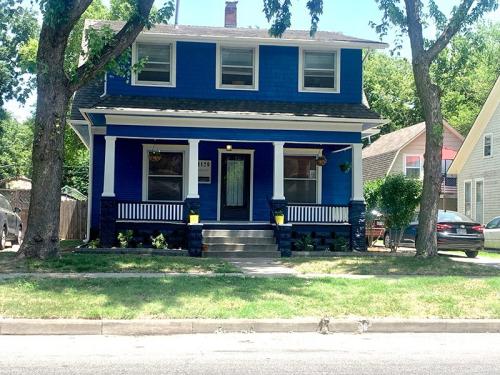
(224, 297)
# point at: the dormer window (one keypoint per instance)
(159, 66)
(319, 71)
(237, 68)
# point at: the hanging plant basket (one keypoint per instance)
(154, 156)
(321, 160)
(345, 167)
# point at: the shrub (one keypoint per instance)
(125, 238)
(340, 244)
(160, 241)
(94, 244)
(306, 243)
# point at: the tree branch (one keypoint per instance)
(415, 31)
(454, 25)
(119, 43)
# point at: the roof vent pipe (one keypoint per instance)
(230, 14)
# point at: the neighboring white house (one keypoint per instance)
(477, 163)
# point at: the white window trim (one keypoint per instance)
(491, 145)
(421, 165)
(476, 180)
(145, 168)
(319, 175)
(301, 87)
(173, 65)
(219, 177)
(471, 199)
(218, 68)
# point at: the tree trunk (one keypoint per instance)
(429, 95)
(42, 236)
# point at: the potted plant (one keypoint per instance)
(194, 216)
(345, 167)
(279, 216)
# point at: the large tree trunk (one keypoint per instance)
(42, 237)
(429, 95)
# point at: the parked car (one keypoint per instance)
(10, 224)
(492, 234)
(454, 232)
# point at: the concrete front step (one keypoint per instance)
(232, 233)
(239, 240)
(241, 254)
(242, 247)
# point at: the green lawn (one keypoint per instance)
(227, 297)
(70, 262)
(390, 265)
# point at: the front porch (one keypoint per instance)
(152, 185)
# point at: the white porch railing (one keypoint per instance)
(138, 211)
(317, 214)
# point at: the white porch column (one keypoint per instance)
(109, 167)
(193, 168)
(278, 190)
(357, 172)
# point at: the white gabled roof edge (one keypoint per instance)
(477, 129)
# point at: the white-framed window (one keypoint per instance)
(468, 198)
(479, 201)
(237, 67)
(488, 145)
(413, 166)
(164, 178)
(319, 70)
(302, 176)
(159, 66)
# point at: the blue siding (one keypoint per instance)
(336, 185)
(233, 134)
(278, 77)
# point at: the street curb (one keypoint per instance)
(191, 326)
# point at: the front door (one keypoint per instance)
(235, 187)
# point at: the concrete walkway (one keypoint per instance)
(261, 266)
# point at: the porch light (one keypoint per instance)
(229, 147)
(321, 160)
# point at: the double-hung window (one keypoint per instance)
(237, 68)
(158, 64)
(319, 71)
(487, 145)
(165, 175)
(301, 179)
(413, 166)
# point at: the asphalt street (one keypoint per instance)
(252, 353)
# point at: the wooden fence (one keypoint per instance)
(73, 213)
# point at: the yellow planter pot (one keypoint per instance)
(194, 219)
(280, 219)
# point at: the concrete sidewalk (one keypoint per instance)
(191, 326)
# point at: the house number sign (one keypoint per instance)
(204, 171)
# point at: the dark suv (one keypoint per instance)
(10, 224)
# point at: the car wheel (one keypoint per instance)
(3, 238)
(471, 253)
(19, 238)
(387, 240)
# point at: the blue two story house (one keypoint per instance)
(234, 126)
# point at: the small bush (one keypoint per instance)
(94, 244)
(160, 241)
(340, 244)
(306, 243)
(125, 238)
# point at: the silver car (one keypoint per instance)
(492, 234)
(10, 224)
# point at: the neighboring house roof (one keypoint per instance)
(477, 129)
(73, 193)
(380, 155)
(188, 32)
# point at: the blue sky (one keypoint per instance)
(349, 17)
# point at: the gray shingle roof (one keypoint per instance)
(86, 97)
(242, 32)
(237, 107)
